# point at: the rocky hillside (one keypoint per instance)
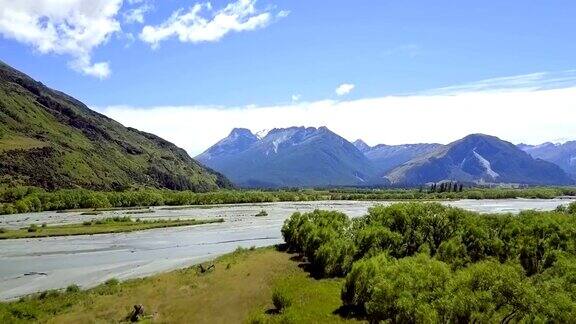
(52, 140)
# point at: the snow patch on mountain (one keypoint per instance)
(486, 164)
(262, 133)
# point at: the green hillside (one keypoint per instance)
(51, 140)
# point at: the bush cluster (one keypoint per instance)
(31, 199)
(425, 262)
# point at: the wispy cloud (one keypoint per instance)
(201, 23)
(136, 15)
(74, 28)
(529, 116)
(344, 89)
(525, 82)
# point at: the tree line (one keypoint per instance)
(33, 199)
(425, 262)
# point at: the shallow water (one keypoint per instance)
(32, 265)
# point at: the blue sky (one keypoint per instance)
(284, 53)
(383, 47)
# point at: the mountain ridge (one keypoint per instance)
(52, 140)
(293, 156)
(479, 158)
(561, 154)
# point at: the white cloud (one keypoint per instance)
(296, 97)
(344, 89)
(201, 23)
(70, 27)
(524, 82)
(527, 116)
(136, 15)
(283, 13)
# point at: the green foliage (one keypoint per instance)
(571, 208)
(112, 282)
(406, 290)
(72, 289)
(281, 300)
(425, 262)
(488, 291)
(33, 199)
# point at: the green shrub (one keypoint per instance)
(112, 282)
(359, 284)
(73, 289)
(571, 209)
(281, 300)
(405, 291)
(488, 291)
(335, 257)
(33, 228)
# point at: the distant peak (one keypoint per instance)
(262, 133)
(361, 145)
(479, 135)
(241, 132)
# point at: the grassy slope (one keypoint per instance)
(51, 140)
(238, 290)
(95, 228)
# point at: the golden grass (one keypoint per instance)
(238, 290)
(239, 283)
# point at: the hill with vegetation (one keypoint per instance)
(51, 140)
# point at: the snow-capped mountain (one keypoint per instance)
(289, 157)
(564, 155)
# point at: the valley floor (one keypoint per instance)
(237, 290)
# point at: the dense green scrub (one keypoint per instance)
(33, 199)
(424, 262)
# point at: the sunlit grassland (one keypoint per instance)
(238, 289)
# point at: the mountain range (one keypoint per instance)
(309, 157)
(51, 140)
(564, 155)
(479, 158)
(387, 157)
(289, 157)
